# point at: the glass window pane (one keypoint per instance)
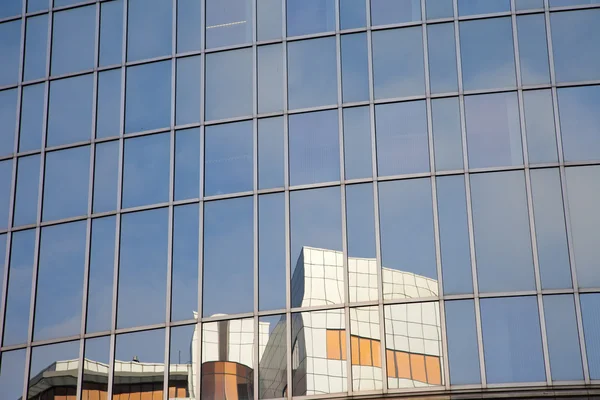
(72, 53)
(146, 348)
(442, 58)
(454, 235)
(8, 113)
(493, 130)
(316, 247)
(310, 332)
(108, 118)
(58, 299)
(97, 350)
(488, 58)
(10, 48)
(149, 29)
(228, 164)
(583, 192)
(228, 22)
(385, 12)
(529, 4)
(26, 197)
(184, 291)
(228, 257)
(10, 8)
(575, 45)
(272, 370)
(271, 252)
(365, 348)
(111, 33)
(306, 17)
(146, 170)
(189, 32)
(472, 7)
(563, 338)
(447, 136)
(183, 362)
(357, 143)
(269, 17)
(402, 141)
(12, 370)
(70, 110)
(35, 47)
(270, 78)
(312, 72)
(16, 322)
(187, 164)
(314, 147)
(6, 168)
(439, 9)
(566, 3)
(148, 97)
(106, 175)
(398, 68)
(142, 268)
(271, 151)
(32, 117)
(66, 183)
(533, 49)
(360, 225)
(580, 122)
(355, 68)
(229, 90)
(353, 14)
(187, 91)
(100, 280)
(407, 246)
(553, 254)
(539, 126)
(463, 354)
(3, 251)
(501, 225)
(53, 357)
(512, 344)
(37, 5)
(590, 313)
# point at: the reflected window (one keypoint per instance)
(228, 22)
(473, 7)
(365, 348)
(149, 29)
(26, 196)
(439, 9)
(33, 103)
(12, 370)
(358, 161)
(97, 352)
(270, 78)
(56, 357)
(187, 91)
(314, 147)
(72, 53)
(36, 44)
(187, 164)
(6, 168)
(270, 19)
(590, 314)
(463, 354)
(539, 126)
(183, 361)
(386, 12)
(533, 49)
(111, 33)
(271, 150)
(189, 29)
(272, 356)
(184, 289)
(447, 135)
(353, 14)
(355, 68)
(307, 17)
(108, 118)
(580, 122)
(271, 252)
(8, 111)
(106, 176)
(442, 58)
(10, 48)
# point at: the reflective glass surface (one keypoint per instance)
(184, 274)
(37, 5)
(579, 122)
(228, 22)
(189, 29)
(149, 29)
(106, 175)
(357, 143)
(439, 9)
(10, 44)
(353, 14)
(442, 58)
(6, 168)
(111, 33)
(447, 136)
(463, 353)
(590, 313)
(539, 126)
(272, 366)
(8, 111)
(97, 350)
(182, 358)
(533, 49)
(26, 194)
(530, 4)
(144, 349)
(35, 47)
(32, 117)
(72, 53)
(270, 78)
(187, 91)
(271, 252)
(472, 7)
(365, 348)
(10, 8)
(355, 68)
(56, 356)
(12, 370)
(270, 153)
(187, 164)
(108, 111)
(565, 3)
(312, 16)
(385, 12)
(269, 19)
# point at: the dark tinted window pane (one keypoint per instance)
(6, 168)
(228, 256)
(488, 58)
(270, 78)
(493, 130)
(108, 118)
(580, 122)
(563, 338)
(111, 33)
(272, 378)
(271, 252)
(353, 14)
(439, 9)
(314, 147)
(447, 136)
(98, 350)
(26, 198)
(10, 8)
(35, 47)
(60, 281)
(8, 113)
(148, 97)
(228, 22)
(312, 73)
(228, 156)
(402, 143)
(10, 48)
(533, 49)
(501, 224)
(269, 17)
(187, 164)
(73, 52)
(357, 143)
(306, 17)
(539, 125)
(228, 84)
(16, 323)
(187, 92)
(355, 68)
(553, 254)
(529, 4)
(471, 7)
(270, 153)
(184, 291)
(407, 246)
(384, 12)
(148, 348)
(316, 246)
(575, 45)
(143, 268)
(189, 32)
(398, 68)
(590, 313)
(32, 117)
(12, 370)
(106, 175)
(66, 183)
(512, 345)
(463, 352)
(102, 266)
(146, 170)
(442, 58)
(70, 110)
(52, 357)
(454, 235)
(149, 29)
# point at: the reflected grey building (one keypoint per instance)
(269, 199)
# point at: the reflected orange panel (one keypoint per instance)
(434, 374)
(231, 390)
(403, 363)
(103, 395)
(417, 366)
(343, 343)
(365, 351)
(157, 394)
(354, 349)
(219, 389)
(390, 364)
(230, 368)
(333, 344)
(376, 353)
(135, 392)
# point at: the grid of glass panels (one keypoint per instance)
(282, 198)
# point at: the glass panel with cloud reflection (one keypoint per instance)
(270, 78)
(533, 49)
(442, 58)
(447, 135)
(539, 126)
(439, 9)
(269, 19)
(228, 22)
(590, 314)
(355, 68)
(106, 176)
(187, 164)
(307, 17)
(386, 12)
(271, 152)
(73, 53)
(357, 143)
(187, 90)
(580, 122)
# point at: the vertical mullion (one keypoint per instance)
(256, 320)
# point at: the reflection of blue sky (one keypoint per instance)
(268, 15)
(42, 357)
(5, 185)
(72, 53)
(189, 30)
(531, 4)
(270, 78)
(533, 49)
(357, 143)
(472, 7)
(580, 122)
(384, 12)
(106, 176)
(439, 9)
(147, 346)
(447, 135)
(228, 22)
(187, 98)
(187, 164)
(353, 14)
(111, 33)
(181, 344)
(97, 349)
(185, 262)
(12, 370)
(8, 111)
(355, 68)
(32, 117)
(270, 153)
(271, 251)
(539, 125)
(10, 48)
(108, 118)
(463, 354)
(310, 16)
(2, 254)
(35, 47)
(360, 222)
(590, 304)
(149, 29)
(26, 197)
(442, 58)
(9, 8)
(101, 272)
